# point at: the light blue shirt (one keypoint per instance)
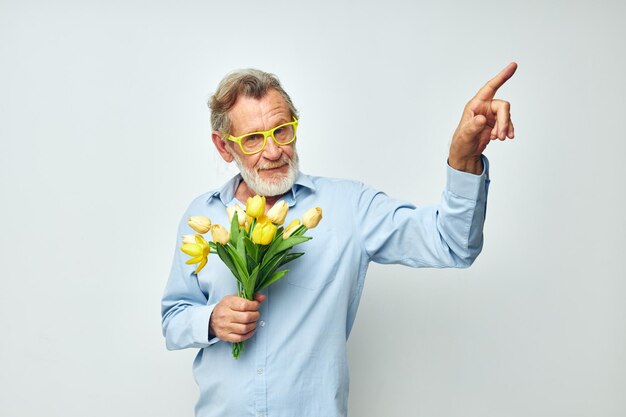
(296, 362)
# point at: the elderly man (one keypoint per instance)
(295, 363)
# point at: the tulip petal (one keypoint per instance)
(194, 260)
(202, 264)
(312, 217)
(200, 241)
(291, 228)
(200, 224)
(255, 206)
(189, 239)
(219, 234)
(191, 249)
(278, 212)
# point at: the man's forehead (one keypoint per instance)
(252, 114)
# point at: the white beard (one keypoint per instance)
(278, 185)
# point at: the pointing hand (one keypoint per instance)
(484, 118)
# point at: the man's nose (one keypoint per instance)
(272, 151)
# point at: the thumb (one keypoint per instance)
(475, 126)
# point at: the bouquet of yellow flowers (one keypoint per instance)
(256, 246)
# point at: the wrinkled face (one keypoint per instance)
(273, 170)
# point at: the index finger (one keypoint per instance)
(489, 90)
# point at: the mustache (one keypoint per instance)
(284, 160)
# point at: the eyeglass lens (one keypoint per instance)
(254, 142)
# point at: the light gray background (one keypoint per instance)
(105, 140)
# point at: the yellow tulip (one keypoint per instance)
(263, 233)
(200, 224)
(291, 228)
(255, 206)
(219, 234)
(199, 251)
(312, 217)
(189, 239)
(248, 223)
(241, 215)
(278, 212)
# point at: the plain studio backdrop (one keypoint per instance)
(105, 140)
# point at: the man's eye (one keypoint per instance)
(279, 130)
(253, 138)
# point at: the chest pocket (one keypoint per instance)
(318, 266)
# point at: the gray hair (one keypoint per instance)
(249, 83)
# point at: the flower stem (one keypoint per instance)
(237, 349)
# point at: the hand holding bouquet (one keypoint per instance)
(256, 246)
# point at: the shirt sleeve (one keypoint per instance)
(449, 234)
(185, 313)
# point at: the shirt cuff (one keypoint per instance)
(468, 185)
(200, 325)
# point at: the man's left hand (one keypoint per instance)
(484, 118)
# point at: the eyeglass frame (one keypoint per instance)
(265, 134)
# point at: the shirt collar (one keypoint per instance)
(227, 193)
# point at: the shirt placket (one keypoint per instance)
(260, 361)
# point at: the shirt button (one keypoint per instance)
(262, 323)
(259, 371)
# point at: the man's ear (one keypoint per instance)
(220, 145)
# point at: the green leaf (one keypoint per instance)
(272, 279)
(225, 257)
(292, 241)
(284, 244)
(270, 266)
(241, 250)
(234, 230)
(262, 251)
(300, 231)
(252, 282)
(251, 248)
(290, 257)
(239, 264)
(251, 262)
(271, 248)
(252, 226)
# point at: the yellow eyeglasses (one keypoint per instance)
(255, 142)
